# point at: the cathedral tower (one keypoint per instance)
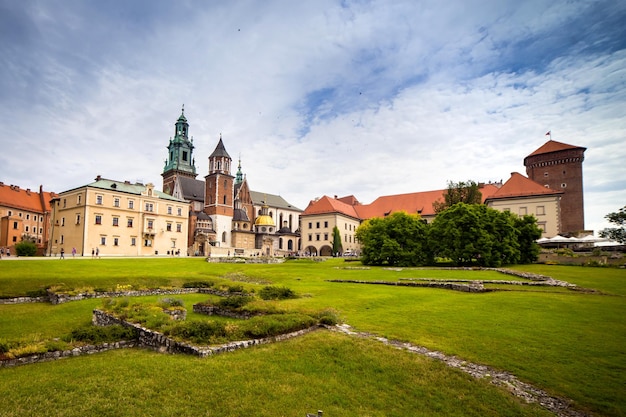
(559, 166)
(180, 160)
(219, 192)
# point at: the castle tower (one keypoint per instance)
(559, 166)
(180, 160)
(219, 193)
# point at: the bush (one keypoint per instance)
(199, 332)
(25, 248)
(234, 302)
(166, 303)
(96, 334)
(328, 317)
(276, 293)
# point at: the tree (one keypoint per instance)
(529, 232)
(25, 248)
(399, 239)
(337, 247)
(460, 192)
(474, 234)
(616, 233)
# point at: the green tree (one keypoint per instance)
(459, 192)
(25, 248)
(474, 234)
(399, 239)
(616, 233)
(337, 246)
(529, 232)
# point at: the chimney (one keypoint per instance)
(28, 191)
(98, 178)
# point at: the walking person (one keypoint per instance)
(62, 253)
(73, 252)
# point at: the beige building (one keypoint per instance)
(318, 222)
(113, 218)
(522, 196)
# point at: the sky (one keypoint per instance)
(315, 97)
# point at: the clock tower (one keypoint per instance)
(180, 161)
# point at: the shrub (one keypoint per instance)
(25, 248)
(166, 303)
(276, 293)
(199, 332)
(97, 334)
(328, 317)
(234, 302)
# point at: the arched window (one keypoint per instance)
(280, 243)
(224, 237)
(289, 244)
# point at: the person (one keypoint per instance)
(1, 252)
(73, 252)
(97, 252)
(93, 253)
(62, 253)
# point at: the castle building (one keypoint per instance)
(559, 166)
(117, 218)
(24, 215)
(225, 216)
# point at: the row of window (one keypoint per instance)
(149, 207)
(346, 238)
(347, 226)
(36, 218)
(116, 241)
(522, 211)
(27, 229)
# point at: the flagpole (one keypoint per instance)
(549, 134)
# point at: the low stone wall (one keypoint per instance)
(474, 286)
(24, 300)
(161, 343)
(55, 298)
(61, 354)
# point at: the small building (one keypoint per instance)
(117, 218)
(24, 215)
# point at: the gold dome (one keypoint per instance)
(264, 220)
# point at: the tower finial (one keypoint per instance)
(183, 108)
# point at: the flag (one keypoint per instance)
(549, 133)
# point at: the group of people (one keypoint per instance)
(2, 252)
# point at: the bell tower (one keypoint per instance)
(180, 161)
(219, 190)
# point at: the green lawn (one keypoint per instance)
(570, 343)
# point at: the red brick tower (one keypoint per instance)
(219, 190)
(559, 166)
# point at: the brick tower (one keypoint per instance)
(559, 166)
(219, 193)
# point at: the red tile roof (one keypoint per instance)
(25, 199)
(521, 186)
(554, 146)
(326, 205)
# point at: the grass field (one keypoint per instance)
(569, 343)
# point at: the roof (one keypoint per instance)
(192, 189)
(125, 187)
(521, 186)
(25, 199)
(220, 150)
(554, 146)
(413, 203)
(271, 200)
(327, 205)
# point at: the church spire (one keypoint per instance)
(239, 178)
(180, 159)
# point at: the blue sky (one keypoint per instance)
(319, 97)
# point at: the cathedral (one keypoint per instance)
(226, 218)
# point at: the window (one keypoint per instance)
(64, 202)
(180, 211)
(78, 219)
(129, 222)
(150, 224)
(116, 221)
(310, 225)
(133, 241)
(62, 221)
(78, 198)
(98, 219)
(224, 199)
(27, 216)
(523, 211)
(62, 239)
(131, 204)
(184, 155)
(541, 210)
(26, 229)
(147, 242)
(173, 243)
(179, 227)
(317, 237)
(116, 241)
(563, 185)
(149, 207)
(15, 225)
(116, 202)
(99, 199)
(168, 227)
(169, 209)
(325, 224)
(310, 237)
(224, 237)
(542, 226)
(317, 225)
(325, 236)
(103, 240)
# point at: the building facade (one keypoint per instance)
(24, 215)
(559, 166)
(223, 210)
(117, 218)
